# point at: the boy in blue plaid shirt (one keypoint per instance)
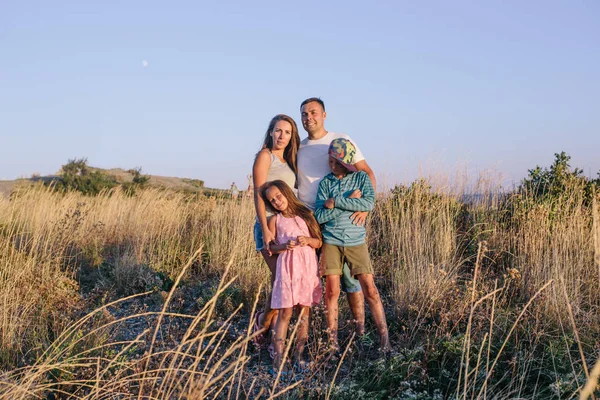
(340, 194)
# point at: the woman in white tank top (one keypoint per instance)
(276, 160)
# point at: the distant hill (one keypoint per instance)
(165, 182)
(121, 176)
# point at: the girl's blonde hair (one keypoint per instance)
(295, 207)
(290, 154)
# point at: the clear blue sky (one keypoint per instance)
(491, 84)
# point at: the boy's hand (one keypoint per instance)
(359, 218)
(302, 240)
(330, 203)
(356, 194)
(290, 245)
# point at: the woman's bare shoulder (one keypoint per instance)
(263, 156)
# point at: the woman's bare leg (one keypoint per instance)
(266, 319)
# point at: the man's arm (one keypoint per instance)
(363, 166)
(322, 214)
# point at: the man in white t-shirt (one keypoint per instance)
(313, 165)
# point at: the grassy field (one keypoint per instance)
(150, 297)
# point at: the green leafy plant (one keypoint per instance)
(549, 183)
(76, 175)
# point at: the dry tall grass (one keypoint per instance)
(555, 241)
(46, 237)
(191, 369)
(415, 229)
(424, 240)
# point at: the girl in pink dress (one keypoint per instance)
(297, 282)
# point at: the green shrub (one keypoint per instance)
(560, 178)
(76, 175)
(139, 181)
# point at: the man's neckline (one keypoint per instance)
(326, 133)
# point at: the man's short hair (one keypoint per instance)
(310, 100)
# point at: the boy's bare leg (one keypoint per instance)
(332, 294)
(356, 301)
(376, 306)
(302, 333)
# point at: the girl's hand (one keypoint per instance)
(303, 240)
(330, 203)
(290, 245)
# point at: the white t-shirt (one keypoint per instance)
(313, 165)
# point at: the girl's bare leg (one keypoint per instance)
(281, 328)
(266, 319)
(302, 333)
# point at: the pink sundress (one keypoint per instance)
(297, 280)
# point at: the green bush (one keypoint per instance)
(560, 178)
(194, 182)
(139, 181)
(76, 175)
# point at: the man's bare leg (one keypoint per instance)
(376, 306)
(356, 301)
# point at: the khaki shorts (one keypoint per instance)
(357, 258)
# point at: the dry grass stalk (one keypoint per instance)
(592, 383)
(596, 234)
(337, 370)
(575, 332)
(512, 329)
(467, 342)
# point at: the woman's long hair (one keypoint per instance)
(290, 154)
(294, 206)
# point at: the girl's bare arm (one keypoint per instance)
(275, 248)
